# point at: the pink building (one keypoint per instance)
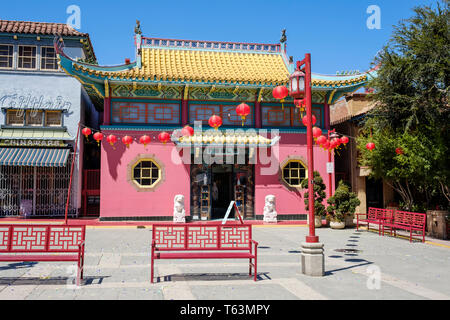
(174, 83)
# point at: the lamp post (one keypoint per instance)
(300, 88)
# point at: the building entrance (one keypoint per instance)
(214, 186)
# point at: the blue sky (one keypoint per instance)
(334, 32)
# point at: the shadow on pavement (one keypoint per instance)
(211, 277)
(23, 281)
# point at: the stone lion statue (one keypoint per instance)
(270, 214)
(178, 209)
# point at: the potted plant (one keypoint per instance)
(319, 196)
(341, 205)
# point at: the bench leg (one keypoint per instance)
(151, 275)
(256, 268)
(250, 267)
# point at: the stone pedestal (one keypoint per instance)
(313, 260)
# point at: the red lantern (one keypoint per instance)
(317, 132)
(326, 145)
(280, 92)
(344, 140)
(399, 151)
(370, 146)
(145, 139)
(187, 131)
(86, 132)
(305, 120)
(127, 140)
(164, 137)
(98, 136)
(321, 140)
(243, 110)
(111, 139)
(215, 122)
(334, 143)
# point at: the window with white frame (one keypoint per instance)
(53, 118)
(15, 117)
(48, 58)
(6, 56)
(27, 57)
(34, 118)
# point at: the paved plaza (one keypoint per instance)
(358, 265)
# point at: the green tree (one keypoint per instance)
(411, 110)
(319, 194)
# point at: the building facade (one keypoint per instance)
(174, 83)
(346, 117)
(40, 110)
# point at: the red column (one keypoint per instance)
(184, 110)
(326, 108)
(107, 111)
(258, 122)
(309, 137)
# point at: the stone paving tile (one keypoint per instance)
(253, 292)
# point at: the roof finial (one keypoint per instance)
(283, 36)
(137, 29)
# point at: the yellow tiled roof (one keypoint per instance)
(204, 66)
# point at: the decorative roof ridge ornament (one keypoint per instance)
(283, 36)
(137, 28)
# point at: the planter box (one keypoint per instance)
(437, 224)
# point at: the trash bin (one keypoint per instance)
(437, 224)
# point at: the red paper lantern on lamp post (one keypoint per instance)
(243, 110)
(164, 137)
(187, 131)
(127, 140)
(321, 140)
(317, 132)
(145, 139)
(215, 122)
(344, 140)
(305, 120)
(98, 136)
(86, 132)
(111, 139)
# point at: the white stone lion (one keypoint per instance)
(178, 209)
(270, 214)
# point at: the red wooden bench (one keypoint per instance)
(43, 243)
(204, 241)
(410, 221)
(376, 216)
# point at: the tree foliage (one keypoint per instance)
(411, 110)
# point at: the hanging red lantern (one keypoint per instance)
(399, 151)
(280, 92)
(187, 131)
(111, 139)
(215, 122)
(317, 132)
(326, 144)
(321, 140)
(334, 143)
(127, 140)
(98, 136)
(370, 146)
(344, 140)
(145, 139)
(305, 120)
(243, 110)
(86, 132)
(164, 137)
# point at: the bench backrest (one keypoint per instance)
(410, 218)
(202, 237)
(378, 213)
(41, 238)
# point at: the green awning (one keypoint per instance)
(34, 134)
(33, 157)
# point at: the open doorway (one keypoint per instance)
(221, 191)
